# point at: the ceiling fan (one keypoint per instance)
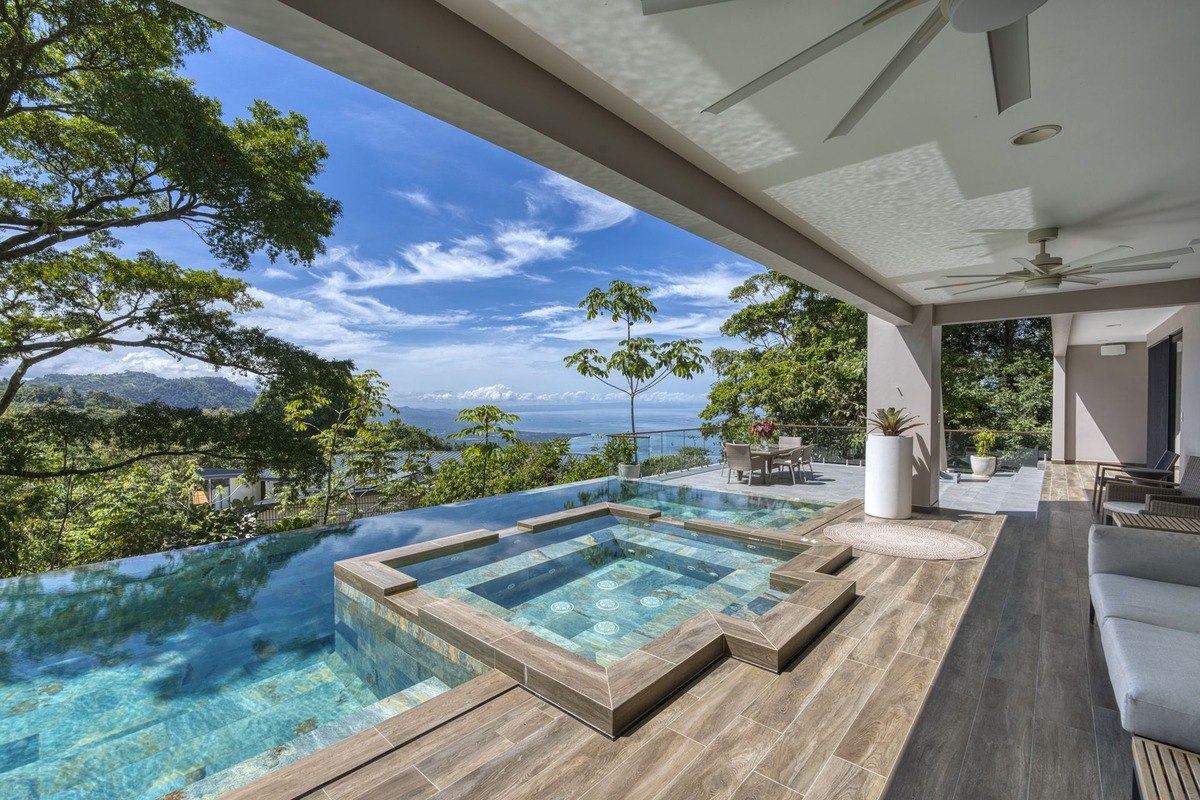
(1047, 273)
(1004, 21)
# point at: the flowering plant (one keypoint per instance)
(763, 429)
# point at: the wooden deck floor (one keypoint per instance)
(1023, 707)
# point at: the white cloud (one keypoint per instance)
(603, 329)
(369, 311)
(586, 270)
(472, 258)
(710, 287)
(499, 393)
(416, 197)
(275, 273)
(593, 211)
(307, 324)
(548, 312)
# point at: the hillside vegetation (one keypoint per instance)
(208, 391)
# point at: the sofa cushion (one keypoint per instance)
(1123, 507)
(1168, 605)
(1155, 679)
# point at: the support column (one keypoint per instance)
(904, 370)
(1060, 330)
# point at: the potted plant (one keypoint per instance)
(622, 451)
(889, 464)
(983, 463)
(763, 430)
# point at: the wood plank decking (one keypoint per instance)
(1020, 706)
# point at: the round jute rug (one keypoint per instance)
(904, 541)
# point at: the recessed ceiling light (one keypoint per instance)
(1034, 135)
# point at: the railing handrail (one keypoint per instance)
(718, 426)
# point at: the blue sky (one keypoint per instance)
(457, 266)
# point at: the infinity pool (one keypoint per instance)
(604, 587)
(198, 670)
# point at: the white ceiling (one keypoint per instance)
(1117, 326)
(927, 183)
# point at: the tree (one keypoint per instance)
(98, 134)
(641, 362)
(805, 360)
(486, 422)
(60, 302)
(998, 375)
(354, 450)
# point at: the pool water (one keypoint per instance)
(683, 502)
(603, 588)
(197, 670)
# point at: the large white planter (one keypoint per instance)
(889, 477)
(983, 466)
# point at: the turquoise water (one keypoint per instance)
(141, 677)
(602, 588)
(686, 503)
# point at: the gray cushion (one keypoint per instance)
(1123, 507)
(1156, 680)
(1154, 555)
(1168, 605)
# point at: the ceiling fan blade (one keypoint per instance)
(1082, 279)
(987, 279)
(1120, 262)
(659, 6)
(977, 288)
(819, 49)
(930, 28)
(1030, 266)
(1132, 268)
(1009, 48)
(1108, 251)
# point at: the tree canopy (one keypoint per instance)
(98, 134)
(640, 362)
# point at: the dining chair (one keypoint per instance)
(740, 459)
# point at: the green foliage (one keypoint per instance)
(641, 362)
(620, 450)
(985, 443)
(98, 133)
(356, 454)
(686, 457)
(806, 356)
(143, 387)
(402, 436)
(82, 519)
(998, 375)
(805, 362)
(892, 421)
(486, 426)
(516, 467)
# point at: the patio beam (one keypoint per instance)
(423, 54)
(1111, 298)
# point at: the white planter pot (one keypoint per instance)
(983, 466)
(889, 477)
(629, 471)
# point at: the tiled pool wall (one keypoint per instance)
(390, 653)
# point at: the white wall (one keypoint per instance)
(1106, 404)
(1188, 321)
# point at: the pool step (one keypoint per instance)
(242, 773)
(268, 710)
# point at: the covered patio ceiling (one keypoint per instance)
(925, 187)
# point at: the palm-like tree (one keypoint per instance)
(485, 425)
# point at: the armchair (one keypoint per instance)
(1135, 498)
(1161, 470)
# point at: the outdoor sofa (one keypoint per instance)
(1145, 594)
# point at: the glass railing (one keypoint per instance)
(1014, 449)
(682, 449)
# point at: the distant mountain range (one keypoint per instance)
(207, 391)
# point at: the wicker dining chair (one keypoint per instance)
(740, 459)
